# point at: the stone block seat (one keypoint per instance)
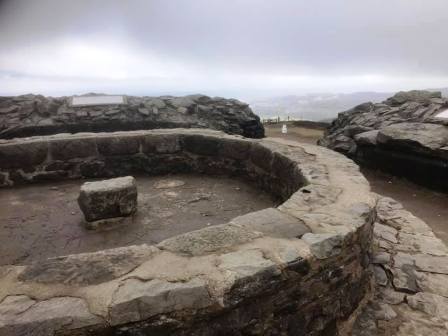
(300, 268)
(110, 198)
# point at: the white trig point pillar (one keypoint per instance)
(284, 129)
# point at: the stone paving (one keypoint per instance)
(410, 265)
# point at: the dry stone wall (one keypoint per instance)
(301, 268)
(31, 115)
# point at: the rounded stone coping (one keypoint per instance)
(207, 271)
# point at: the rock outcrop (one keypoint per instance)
(404, 135)
(30, 115)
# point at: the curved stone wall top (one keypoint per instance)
(303, 260)
(31, 115)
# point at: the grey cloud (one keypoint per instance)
(280, 37)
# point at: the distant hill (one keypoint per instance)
(317, 107)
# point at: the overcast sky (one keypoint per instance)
(242, 48)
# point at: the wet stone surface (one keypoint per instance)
(51, 223)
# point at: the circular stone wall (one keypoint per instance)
(298, 269)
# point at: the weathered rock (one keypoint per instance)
(273, 222)
(208, 240)
(244, 267)
(367, 138)
(403, 136)
(405, 279)
(429, 263)
(45, 317)
(433, 283)
(391, 213)
(38, 115)
(413, 137)
(366, 323)
(138, 300)
(390, 296)
(108, 199)
(382, 258)
(65, 150)
(417, 324)
(385, 312)
(380, 276)
(412, 96)
(421, 244)
(324, 245)
(385, 232)
(430, 304)
(15, 305)
(12, 156)
(88, 268)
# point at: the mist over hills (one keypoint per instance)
(316, 107)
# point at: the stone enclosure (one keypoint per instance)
(301, 268)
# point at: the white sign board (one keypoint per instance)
(443, 114)
(97, 100)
